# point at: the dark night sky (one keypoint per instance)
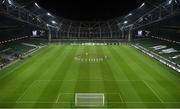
(89, 9)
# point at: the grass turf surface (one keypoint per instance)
(50, 79)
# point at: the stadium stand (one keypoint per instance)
(18, 50)
(152, 45)
(166, 52)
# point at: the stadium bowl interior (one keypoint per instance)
(130, 61)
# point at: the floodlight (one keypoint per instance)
(125, 22)
(54, 22)
(169, 2)
(142, 5)
(37, 5)
(10, 2)
(176, 1)
(49, 14)
(3, 1)
(130, 14)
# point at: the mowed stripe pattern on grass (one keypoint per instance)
(52, 76)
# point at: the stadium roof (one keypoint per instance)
(53, 20)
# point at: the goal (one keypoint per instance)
(89, 99)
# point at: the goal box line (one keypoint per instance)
(90, 80)
(89, 99)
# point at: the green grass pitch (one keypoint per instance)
(52, 76)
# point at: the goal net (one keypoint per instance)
(89, 99)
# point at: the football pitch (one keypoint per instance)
(53, 75)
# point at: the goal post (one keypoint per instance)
(89, 99)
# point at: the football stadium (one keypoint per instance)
(131, 61)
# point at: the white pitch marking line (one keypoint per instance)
(19, 99)
(58, 98)
(94, 80)
(121, 98)
(31, 102)
(153, 92)
(93, 108)
(133, 102)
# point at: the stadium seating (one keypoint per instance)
(169, 50)
(17, 50)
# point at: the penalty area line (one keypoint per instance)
(19, 99)
(57, 100)
(153, 91)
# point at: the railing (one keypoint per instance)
(19, 13)
(159, 58)
(157, 14)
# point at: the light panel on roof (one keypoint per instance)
(37, 5)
